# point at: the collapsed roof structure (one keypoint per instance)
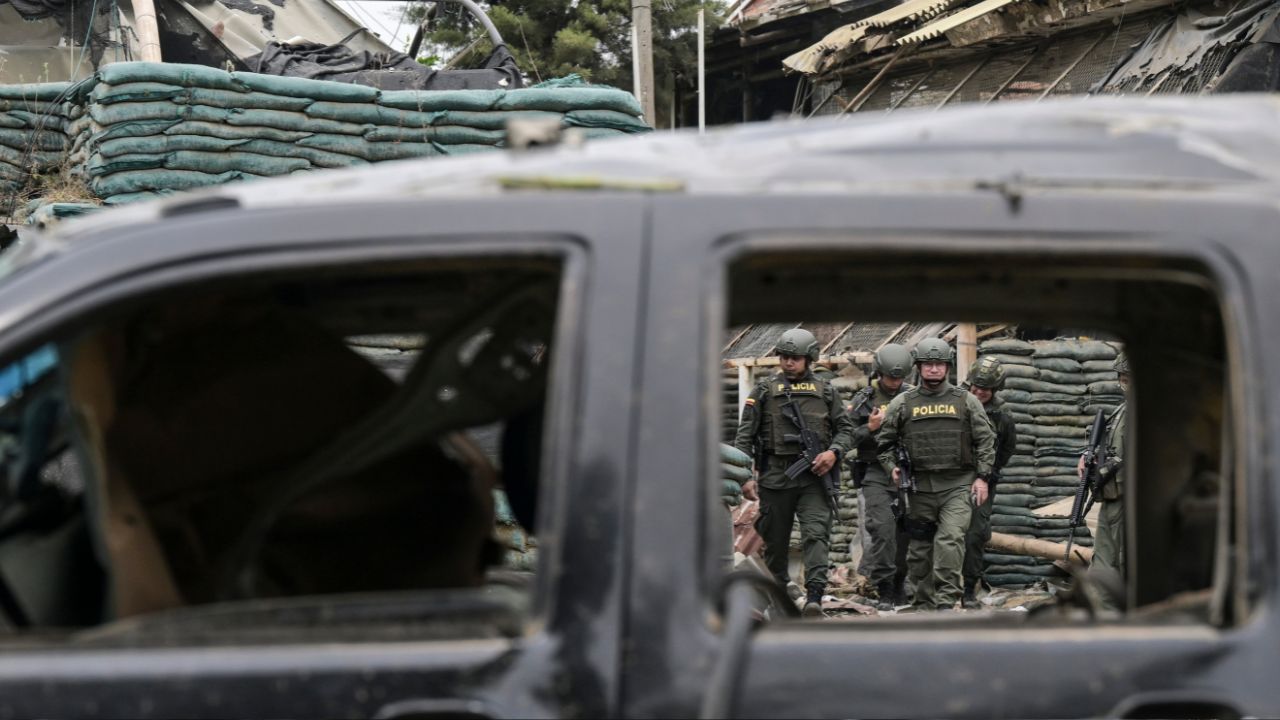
(809, 57)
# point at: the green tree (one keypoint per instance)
(553, 38)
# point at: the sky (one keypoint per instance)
(384, 18)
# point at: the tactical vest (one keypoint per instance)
(937, 430)
(810, 396)
(1115, 433)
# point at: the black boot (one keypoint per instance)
(970, 599)
(813, 600)
(888, 595)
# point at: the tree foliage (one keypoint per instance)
(553, 38)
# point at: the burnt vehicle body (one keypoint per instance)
(1155, 218)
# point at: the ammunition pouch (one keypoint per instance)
(919, 529)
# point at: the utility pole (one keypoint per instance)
(642, 54)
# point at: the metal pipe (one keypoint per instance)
(702, 71)
(1071, 67)
(874, 83)
(965, 81)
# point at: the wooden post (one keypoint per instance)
(966, 349)
(744, 388)
(642, 51)
(144, 22)
(1032, 547)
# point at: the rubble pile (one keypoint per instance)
(138, 130)
(1053, 390)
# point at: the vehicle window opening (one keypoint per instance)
(1056, 359)
(237, 454)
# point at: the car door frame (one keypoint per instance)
(810, 671)
(567, 663)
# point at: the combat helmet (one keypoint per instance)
(892, 360)
(987, 373)
(1121, 365)
(935, 350)
(798, 341)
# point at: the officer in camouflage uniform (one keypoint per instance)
(985, 378)
(1108, 543)
(951, 445)
(879, 555)
(764, 433)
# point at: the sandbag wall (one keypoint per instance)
(1053, 390)
(137, 130)
(33, 121)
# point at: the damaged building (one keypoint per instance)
(806, 59)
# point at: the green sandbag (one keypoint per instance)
(1053, 431)
(280, 119)
(1020, 360)
(1106, 409)
(1055, 398)
(136, 128)
(12, 122)
(1015, 499)
(35, 108)
(370, 114)
(1051, 409)
(1056, 442)
(1093, 377)
(550, 99)
(1049, 470)
(1079, 350)
(213, 163)
(1063, 460)
(1039, 570)
(1062, 378)
(1012, 485)
(164, 143)
(1056, 364)
(98, 166)
(735, 473)
(1109, 387)
(318, 158)
(1011, 580)
(180, 74)
(12, 173)
(373, 152)
(39, 121)
(137, 180)
(733, 456)
(132, 197)
(323, 90)
(1021, 371)
(1041, 386)
(40, 159)
(443, 134)
(107, 94)
(40, 140)
(41, 92)
(1021, 417)
(1020, 460)
(1007, 346)
(1069, 482)
(470, 149)
(1014, 396)
(1069, 420)
(1098, 366)
(605, 119)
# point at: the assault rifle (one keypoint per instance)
(810, 448)
(1090, 487)
(901, 503)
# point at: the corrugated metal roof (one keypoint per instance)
(950, 22)
(914, 10)
(809, 60)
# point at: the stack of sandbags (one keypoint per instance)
(735, 471)
(153, 128)
(1053, 390)
(33, 140)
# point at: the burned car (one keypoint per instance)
(222, 502)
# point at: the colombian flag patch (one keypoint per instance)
(751, 401)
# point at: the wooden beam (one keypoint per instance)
(966, 347)
(145, 25)
(736, 338)
(992, 331)
(892, 335)
(855, 357)
(1032, 547)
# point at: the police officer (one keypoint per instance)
(889, 370)
(985, 378)
(951, 447)
(768, 435)
(1108, 543)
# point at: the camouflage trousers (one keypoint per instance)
(1108, 543)
(778, 512)
(880, 552)
(936, 565)
(976, 539)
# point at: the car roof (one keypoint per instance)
(1204, 144)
